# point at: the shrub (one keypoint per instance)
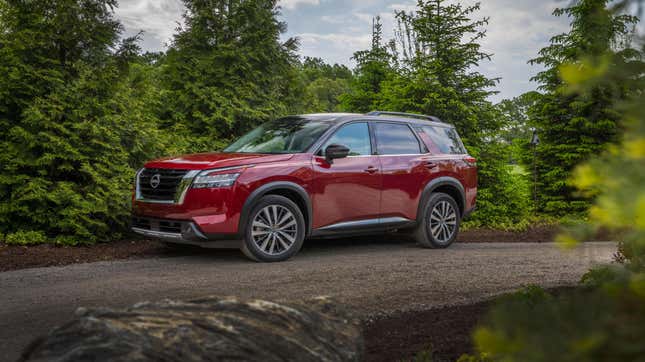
(591, 324)
(503, 198)
(26, 238)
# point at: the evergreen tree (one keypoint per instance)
(439, 46)
(323, 85)
(438, 49)
(227, 71)
(70, 128)
(572, 125)
(373, 67)
(515, 117)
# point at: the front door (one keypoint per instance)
(348, 189)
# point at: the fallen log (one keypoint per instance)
(208, 329)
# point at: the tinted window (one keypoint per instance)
(355, 136)
(285, 135)
(444, 139)
(395, 139)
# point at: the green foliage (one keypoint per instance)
(505, 202)
(323, 84)
(428, 70)
(598, 324)
(373, 67)
(604, 319)
(576, 125)
(516, 130)
(26, 238)
(226, 71)
(74, 122)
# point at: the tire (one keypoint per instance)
(269, 240)
(439, 223)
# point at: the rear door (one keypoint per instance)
(406, 167)
(447, 150)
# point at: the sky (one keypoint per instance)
(334, 29)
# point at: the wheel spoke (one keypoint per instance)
(291, 223)
(272, 244)
(265, 242)
(290, 238)
(285, 217)
(260, 224)
(284, 245)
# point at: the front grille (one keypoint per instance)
(166, 189)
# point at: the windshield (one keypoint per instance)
(285, 135)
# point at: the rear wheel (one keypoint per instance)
(439, 223)
(275, 230)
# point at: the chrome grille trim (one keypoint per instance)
(180, 190)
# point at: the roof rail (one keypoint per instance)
(410, 115)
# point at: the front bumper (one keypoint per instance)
(177, 232)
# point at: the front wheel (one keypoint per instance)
(439, 223)
(275, 230)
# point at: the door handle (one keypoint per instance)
(371, 169)
(430, 164)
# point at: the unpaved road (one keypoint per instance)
(374, 276)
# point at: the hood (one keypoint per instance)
(205, 161)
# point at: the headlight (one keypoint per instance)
(217, 180)
(218, 177)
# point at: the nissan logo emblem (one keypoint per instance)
(155, 180)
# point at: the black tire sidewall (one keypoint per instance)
(432, 201)
(250, 245)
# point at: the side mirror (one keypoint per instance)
(335, 151)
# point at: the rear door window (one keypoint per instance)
(395, 139)
(444, 140)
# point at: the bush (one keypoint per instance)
(503, 198)
(26, 238)
(588, 324)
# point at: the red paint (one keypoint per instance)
(351, 188)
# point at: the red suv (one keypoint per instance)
(310, 176)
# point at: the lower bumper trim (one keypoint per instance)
(189, 236)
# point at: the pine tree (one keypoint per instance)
(573, 126)
(68, 123)
(438, 51)
(439, 47)
(227, 71)
(373, 67)
(322, 85)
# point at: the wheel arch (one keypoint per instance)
(290, 190)
(448, 185)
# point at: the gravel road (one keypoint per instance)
(373, 276)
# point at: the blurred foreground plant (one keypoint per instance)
(603, 319)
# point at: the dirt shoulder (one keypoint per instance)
(445, 332)
(14, 257)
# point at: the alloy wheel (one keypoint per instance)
(274, 229)
(443, 221)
